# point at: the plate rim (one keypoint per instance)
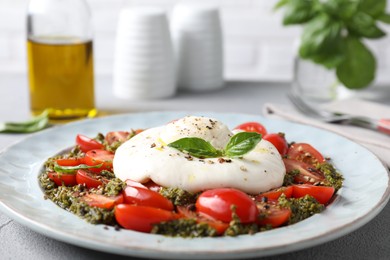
(41, 228)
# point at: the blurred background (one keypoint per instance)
(257, 46)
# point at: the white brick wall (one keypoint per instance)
(257, 46)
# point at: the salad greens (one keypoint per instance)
(333, 35)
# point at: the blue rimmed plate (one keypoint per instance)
(364, 194)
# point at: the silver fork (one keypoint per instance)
(382, 125)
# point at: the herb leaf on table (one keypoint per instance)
(33, 125)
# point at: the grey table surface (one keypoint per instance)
(372, 241)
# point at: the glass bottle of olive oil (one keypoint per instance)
(60, 58)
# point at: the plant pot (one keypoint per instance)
(316, 83)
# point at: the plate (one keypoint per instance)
(363, 196)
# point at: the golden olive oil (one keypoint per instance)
(61, 77)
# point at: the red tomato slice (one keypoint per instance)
(305, 153)
(151, 185)
(117, 136)
(252, 127)
(137, 131)
(321, 193)
(67, 179)
(96, 157)
(217, 204)
(146, 197)
(101, 201)
(279, 141)
(272, 214)
(219, 226)
(135, 184)
(73, 161)
(89, 179)
(141, 218)
(307, 173)
(275, 193)
(87, 143)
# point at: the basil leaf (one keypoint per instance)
(71, 169)
(322, 38)
(37, 123)
(298, 11)
(281, 3)
(242, 143)
(359, 66)
(342, 9)
(196, 147)
(384, 18)
(363, 25)
(374, 8)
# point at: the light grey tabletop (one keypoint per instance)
(372, 241)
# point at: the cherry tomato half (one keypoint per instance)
(98, 156)
(321, 193)
(135, 184)
(275, 193)
(101, 201)
(89, 179)
(138, 131)
(117, 136)
(219, 226)
(67, 179)
(252, 127)
(72, 161)
(307, 173)
(146, 197)
(151, 185)
(87, 143)
(305, 153)
(279, 141)
(141, 218)
(218, 203)
(271, 213)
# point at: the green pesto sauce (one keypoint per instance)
(68, 198)
(333, 177)
(289, 177)
(301, 208)
(114, 187)
(237, 228)
(184, 228)
(178, 196)
(190, 228)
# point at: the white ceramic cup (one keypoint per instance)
(143, 62)
(198, 45)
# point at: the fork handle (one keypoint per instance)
(384, 126)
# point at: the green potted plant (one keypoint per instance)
(334, 34)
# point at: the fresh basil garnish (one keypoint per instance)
(71, 169)
(238, 145)
(196, 147)
(242, 143)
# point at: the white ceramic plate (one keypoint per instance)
(363, 196)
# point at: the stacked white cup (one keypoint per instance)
(198, 44)
(144, 62)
